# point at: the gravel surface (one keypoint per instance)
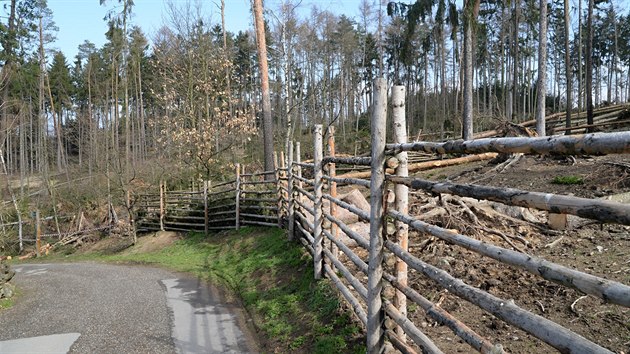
(116, 309)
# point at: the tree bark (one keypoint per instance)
(589, 65)
(542, 70)
(471, 10)
(264, 84)
(567, 65)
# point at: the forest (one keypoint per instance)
(186, 100)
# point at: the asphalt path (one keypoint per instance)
(103, 308)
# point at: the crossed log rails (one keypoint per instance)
(601, 210)
(434, 311)
(546, 330)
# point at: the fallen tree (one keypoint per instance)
(427, 165)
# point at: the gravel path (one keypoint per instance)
(122, 309)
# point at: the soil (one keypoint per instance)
(602, 250)
(153, 242)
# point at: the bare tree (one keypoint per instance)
(264, 83)
(542, 70)
(589, 65)
(471, 9)
(567, 64)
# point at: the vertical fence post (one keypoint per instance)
(278, 189)
(162, 191)
(298, 160)
(205, 207)
(38, 233)
(334, 229)
(281, 182)
(237, 208)
(318, 155)
(402, 198)
(376, 317)
(291, 205)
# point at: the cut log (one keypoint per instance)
(357, 199)
(427, 165)
(586, 144)
(604, 211)
(360, 228)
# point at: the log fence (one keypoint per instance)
(315, 213)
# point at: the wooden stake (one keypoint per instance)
(334, 229)
(317, 230)
(238, 196)
(376, 318)
(162, 205)
(278, 187)
(38, 233)
(402, 199)
(205, 207)
(290, 203)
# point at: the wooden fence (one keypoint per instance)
(312, 212)
(249, 199)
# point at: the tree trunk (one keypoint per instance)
(515, 64)
(264, 83)
(589, 65)
(580, 53)
(542, 70)
(472, 8)
(467, 115)
(567, 65)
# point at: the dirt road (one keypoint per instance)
(101, 308)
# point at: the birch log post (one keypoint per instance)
(376, 318)
(278, 187)
(290, 203)
(298, 176)
(162, 205)
(317, 178)
(334, 229)
(237, 198)
(205, 207)
(38, 233)
(402, 198)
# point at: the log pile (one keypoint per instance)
(6, 274)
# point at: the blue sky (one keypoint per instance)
(79, 20)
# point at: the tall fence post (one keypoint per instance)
(298, 160)
(282, 174)
(376, 317)
(334, 229)
(162, 205)
(205, 207)
(318, 155)
(278, 185)
(38, 233)
(291, 204)
(402, 198)
(237, 208)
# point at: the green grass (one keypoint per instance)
(567, 180)
(7, 303)
(274, 280)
